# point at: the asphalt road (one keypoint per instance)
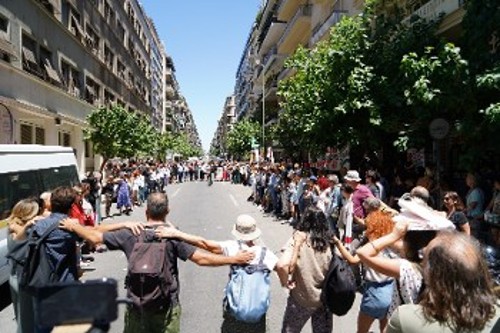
(210, 212)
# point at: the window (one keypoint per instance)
(4, 26)
(71, 78)
(92, 39)
(109, 15)
(108, 57)
(92, 91)
(121, 70)
(30, 63)
(75, 25)
(39, 136)
(109, 98)
(64, 139)
(120, 31)
(18, 185)
(51, 74)
(32, 134)
(26, 134)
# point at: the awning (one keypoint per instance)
(7, 47)
(51, 72)
(29, 55)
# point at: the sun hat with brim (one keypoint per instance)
(352, 176)
(245, 228)
(420, 216)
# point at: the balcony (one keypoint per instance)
(273, 35)
(296, 31)
(434, 8)
(286, 9)
(168, 74)
(169, 92)
(323, 28)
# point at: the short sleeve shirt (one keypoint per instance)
(360, 194)
(458, 219)
(475, 195)
(231, 247)
(124, 240)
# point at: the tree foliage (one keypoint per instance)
(378, 82)
(239, 139)
(116, 132)
(175, 143)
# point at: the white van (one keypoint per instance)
(27, 171)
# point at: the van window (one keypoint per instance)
(15, 186)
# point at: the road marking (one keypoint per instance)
(233, 200)
(176, 192)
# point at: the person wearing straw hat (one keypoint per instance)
(246, 234)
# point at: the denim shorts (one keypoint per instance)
(377, 297)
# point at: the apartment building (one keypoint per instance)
(283, 25)
(224, 126)
(60, 59)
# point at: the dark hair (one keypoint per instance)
(459, 204)
(347, 188)
(415, 241)
(61, 199)
(157, 206)
(459, 291)
(314, 223)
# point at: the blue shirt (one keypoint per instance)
(61, 246)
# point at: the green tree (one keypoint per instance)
(116, 132)
(239, 139)
(375, 82)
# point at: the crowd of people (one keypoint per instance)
(286, 190)
(418, 262)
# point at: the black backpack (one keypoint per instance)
(339, 288)
(149, 278)
(32, 262)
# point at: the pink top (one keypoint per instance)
(360, 194)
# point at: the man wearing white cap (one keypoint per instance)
(246, 233)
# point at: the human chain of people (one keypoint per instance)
(400, 241)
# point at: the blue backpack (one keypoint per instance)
(247, 294)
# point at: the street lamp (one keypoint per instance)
(258, 63)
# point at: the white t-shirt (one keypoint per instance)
(231, 247)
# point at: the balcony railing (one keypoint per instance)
(322, 28)
(304, 10)
(434, 8)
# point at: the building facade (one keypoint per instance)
(61, 59)
(224, 126)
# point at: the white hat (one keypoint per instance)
(352, 176)
(245, 228)
(421, 216)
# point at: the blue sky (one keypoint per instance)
(205, 39)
